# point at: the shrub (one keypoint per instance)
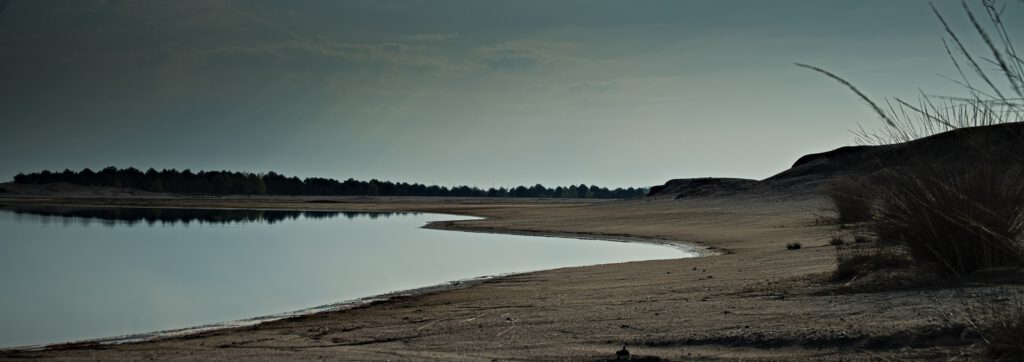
(855, 260)
(957, 212)
(793, 246)
(861, 239)
(851, 200)
(959, 221)
(836, 241)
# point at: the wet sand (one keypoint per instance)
(754, 299)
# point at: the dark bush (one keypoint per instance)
(851, 200)
(954, 210)
(793, 246)
(957, 221)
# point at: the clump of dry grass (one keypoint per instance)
(851, 200)
(962, 219)
(954, 218)
(957, 221)
(855, 260)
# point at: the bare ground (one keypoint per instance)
(753, 300)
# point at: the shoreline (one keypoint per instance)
(753, 299)
(701, 251)
(691, 250)
(249, 322)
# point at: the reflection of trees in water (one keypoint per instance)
(111, 216)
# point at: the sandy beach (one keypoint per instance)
(752, 299)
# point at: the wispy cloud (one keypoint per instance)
(511, 55)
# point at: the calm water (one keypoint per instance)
(72, 274)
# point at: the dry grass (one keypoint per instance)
(851, 200)
(855, 260)
(952, 218)
(1004, 336)
(994, 320)
(963, 220)
(956, 222)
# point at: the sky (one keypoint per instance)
(478, 92)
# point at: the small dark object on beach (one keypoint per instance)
(793, 246)
(622, 354)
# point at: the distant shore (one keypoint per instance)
(753, 299)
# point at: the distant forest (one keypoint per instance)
(134, 215)
(272, 183)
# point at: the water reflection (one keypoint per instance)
(130, 216)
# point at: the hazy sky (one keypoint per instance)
(615, 93)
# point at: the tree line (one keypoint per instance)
(272, 183)
(131, 216)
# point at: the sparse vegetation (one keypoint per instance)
(853, 260)
(956, 222)
(793, 246)
(954, 214)
(851, 201)
(993, 321)
(836, 240)
(1003, 336)
(960, 214)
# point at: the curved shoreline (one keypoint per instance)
(445, 225)
(753, 300)
(684, 246)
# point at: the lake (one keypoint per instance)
(71, 274)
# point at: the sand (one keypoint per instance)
(753, 299)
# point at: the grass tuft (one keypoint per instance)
(851, 201)
(956, 221)
(854, 260)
